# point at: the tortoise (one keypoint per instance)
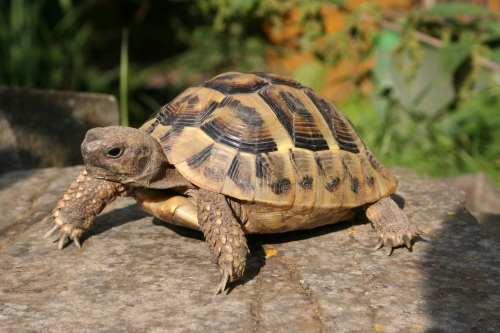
(239, 154)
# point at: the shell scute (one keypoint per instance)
(241, 179)
(275, 179)
(235, 83)
(344, 132)
(208, 168)
(295, 114)
(242, 125)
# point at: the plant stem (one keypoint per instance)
(124, 79)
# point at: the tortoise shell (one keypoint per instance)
(266, 139)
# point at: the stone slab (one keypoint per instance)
(138, 274)
(483, 199)
(44, 128)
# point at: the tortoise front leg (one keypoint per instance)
(79, 205)
(224, 236)
(213, 217)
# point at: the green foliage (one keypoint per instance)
(452, 10)
(39, 53)
(233, 40)
(354, 41)
(124, 120)
(437, 107)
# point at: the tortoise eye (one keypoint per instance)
(114, 152)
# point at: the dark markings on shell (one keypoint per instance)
(347, 172)
(215, 174)
(281, 186)
(306, 182)
(229, 76)
(332, 186)
(161, 115)
(228, 87)
(292, 159)
(318, 161)
(189, 115)
(295, 105)
(296, 119)
(247, 114)
(234, 174)
(354, 184)
(340, 130)
(261, 167)
(152, 127)
(255, 140)
(234, 168)
(171, 133)
(199, 158)
(279, 80)
(356, 131)
(372, 160)
(370, 181)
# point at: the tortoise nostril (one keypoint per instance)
(114, 152)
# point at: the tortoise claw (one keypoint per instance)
(48, 217)
(388, 245)
(52, 231)
(223, 282)
(227, 272)
(379, 244)
(407, 241)
(63, 240)
(76, 240)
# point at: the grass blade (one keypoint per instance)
(124, 79)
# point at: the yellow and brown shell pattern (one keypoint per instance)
(267, 140)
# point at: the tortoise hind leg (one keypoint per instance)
(391, 223)
(224, 236)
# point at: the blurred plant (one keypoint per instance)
(437, 106)
(53, 54)
(124, 119)
(234, 39)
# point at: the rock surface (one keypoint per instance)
(483, 199)
(44, 128)
(138, 274)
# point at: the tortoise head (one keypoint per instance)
(123, 154)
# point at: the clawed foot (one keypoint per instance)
(232, 267)
(66, 230)
(395, 239)
(225, 275)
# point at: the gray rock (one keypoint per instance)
(43, 128)
(136, 273)
(483, 199)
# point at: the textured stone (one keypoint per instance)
(44, 128)
(136, 273)
(483, 199)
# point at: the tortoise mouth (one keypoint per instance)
(98, 172)
(103, 173)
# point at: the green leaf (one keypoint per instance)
(454, 9)
(453, 54)
(311, 74)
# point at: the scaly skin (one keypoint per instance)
(391, 223)
(80, 204)
(224, 236)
